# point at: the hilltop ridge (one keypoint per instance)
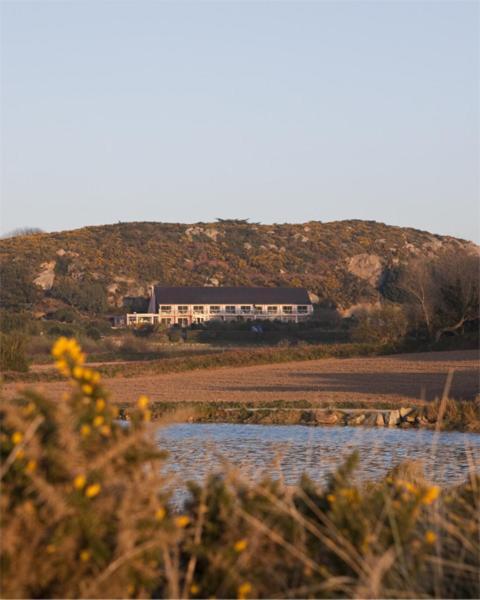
(342, 262)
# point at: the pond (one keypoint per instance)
(196, 450)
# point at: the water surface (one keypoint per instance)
(196, 450)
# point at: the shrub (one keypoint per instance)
(64, 315)
(12, 352)
(85, 513)
(18, 321)
(385, 325)
(93, 332)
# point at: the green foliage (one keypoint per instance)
(88, 296)
(385, 325)
(17, 287)
(64, 315)
(12, 352)
(18, 321)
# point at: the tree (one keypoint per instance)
(457, 277)
(443, 293)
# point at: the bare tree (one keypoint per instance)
(420, 290)
(457, 277)
(444, 291)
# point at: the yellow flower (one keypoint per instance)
(84, 555)
(244, 590)
(100, 404)
(348, 493)
(68, 353)
(182, 521)
(331, 498)
(240, 546)
(78, 372)
(93, 490)
(29, 409)
(160, 514)
(431, 495)
(194, 589)
(79, 482)
(147, 415)
(87, 389)
(59, 347)
(87, 374)
(430, 537)
(17, 437)
(98, 421)
(105, 430)
(31, 466)
(51, 549)
(85, 430)
(409, 487)
(143, 401)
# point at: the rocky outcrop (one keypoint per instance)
(46, 276)
(366, 266)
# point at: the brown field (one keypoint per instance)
(396, 378)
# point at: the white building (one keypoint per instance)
(186, 305)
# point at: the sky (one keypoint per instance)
(273, 111)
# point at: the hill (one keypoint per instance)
(94, 268)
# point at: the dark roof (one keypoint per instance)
(230, 295)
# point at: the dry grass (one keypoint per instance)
(85, 513)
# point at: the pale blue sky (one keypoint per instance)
(273, 111)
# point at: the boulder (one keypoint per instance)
(356, 419)
(326, 418)
(366, 266)
(46, 277)
(393, 418)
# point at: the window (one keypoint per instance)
(166, 321)
(182, 310)
(166, 309)
(272, 310)
(198, 309)
(245, 309)
(183, 322)
(287, 310)
(230, 310)
(214, 310)
(302, 309)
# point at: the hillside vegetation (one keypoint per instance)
(341, 263)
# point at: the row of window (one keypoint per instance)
(183, 310)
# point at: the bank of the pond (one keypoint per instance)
(447, 415)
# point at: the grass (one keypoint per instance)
(227, 358)
(86, 512)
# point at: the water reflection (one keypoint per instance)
(288, 451)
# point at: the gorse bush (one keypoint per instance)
(85, 513)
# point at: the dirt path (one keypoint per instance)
(376, 379)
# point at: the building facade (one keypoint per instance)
(184, 306)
